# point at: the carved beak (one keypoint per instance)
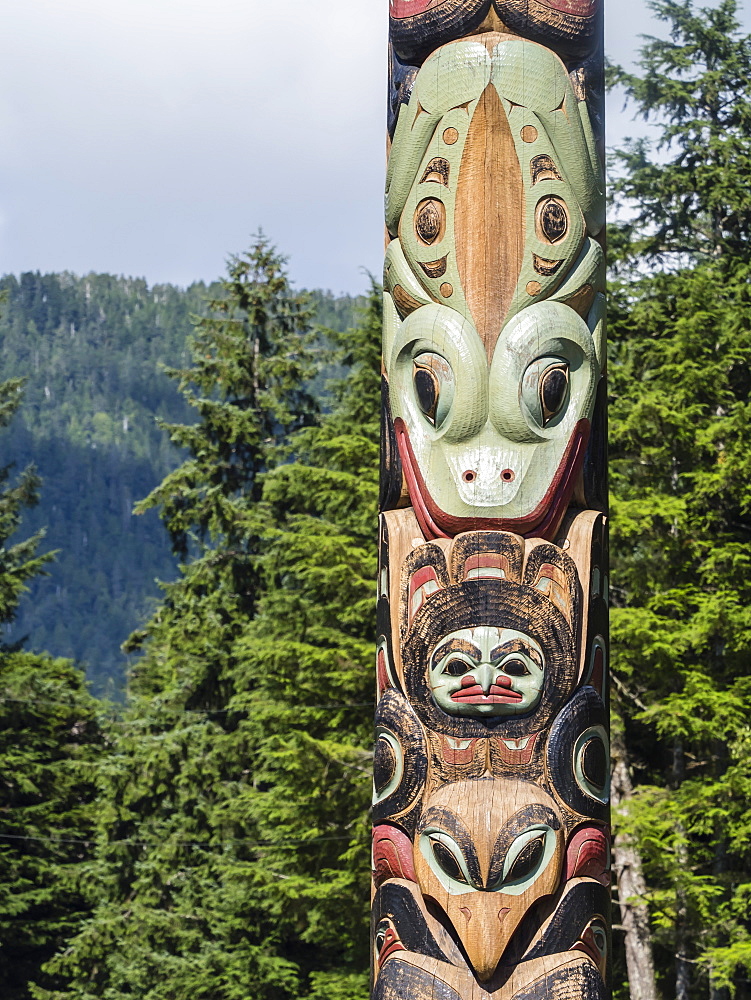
(484, 926)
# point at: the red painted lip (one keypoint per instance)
(577, 8)
(476, 696)
(542, 522)
(400, 9)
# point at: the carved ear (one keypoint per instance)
(424, 574)
(551, 572)
(392, 854)
(551, 580)
(486, 555)
(422, 584)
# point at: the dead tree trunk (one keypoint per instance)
(631, 886)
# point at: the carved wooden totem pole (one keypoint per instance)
(490, 808)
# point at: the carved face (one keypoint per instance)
(488, 647)
(479, 441)
(492, 381)
(487, 671)
(485, 851)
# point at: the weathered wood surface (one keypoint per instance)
(491, 844)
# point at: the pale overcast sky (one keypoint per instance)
(152, 137)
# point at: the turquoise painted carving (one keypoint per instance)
(487, 671)
(536, 95)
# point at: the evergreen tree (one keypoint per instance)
(308, 659)
(93, 350)
(212, 887)
(687, 195)
(89, 349)
(680, 466)
(49, 742)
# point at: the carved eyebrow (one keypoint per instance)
(444, 820)
(457, 646)
(517, 646)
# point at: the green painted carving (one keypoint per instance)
(563, 204)
(494, 452)
(487, 671)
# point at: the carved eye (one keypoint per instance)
(592, 763)
(551, 219)
(456, 668)
(545, 389)
(527, 860)
(543, 168)
(599, 936)
(516, 668)
(388, 764)
(380, 935)
(430, 217)
(427, 390)
(553, 390)
(433, 381)
(448, 863)
(437, 171)
(384, 764)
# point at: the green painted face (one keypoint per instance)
(487, 671)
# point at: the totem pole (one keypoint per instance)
(491, 771)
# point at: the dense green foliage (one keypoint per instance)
(680, 337)
(49, 739)
(227, 809)
(233, 836)
(92, 350)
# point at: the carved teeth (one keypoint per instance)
(455, 744)
(520, 744)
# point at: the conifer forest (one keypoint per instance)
(188, 553)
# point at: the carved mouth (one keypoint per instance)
(496, 696)
(400, 9)
(542, 522)
(576, 8)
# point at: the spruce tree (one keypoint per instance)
(209, 886)
(680, 340)
(50, 740)
(310, 651)
(686, 194)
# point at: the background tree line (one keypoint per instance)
(209, 839)
(91, 349)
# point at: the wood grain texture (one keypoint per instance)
(489, 222)
(491, 842)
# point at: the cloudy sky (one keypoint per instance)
(152, 137)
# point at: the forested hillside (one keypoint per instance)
(208, 838)
(92, 349)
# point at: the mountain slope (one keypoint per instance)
(91, 348)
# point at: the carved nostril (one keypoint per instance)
(508, 475)
(469, 476)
